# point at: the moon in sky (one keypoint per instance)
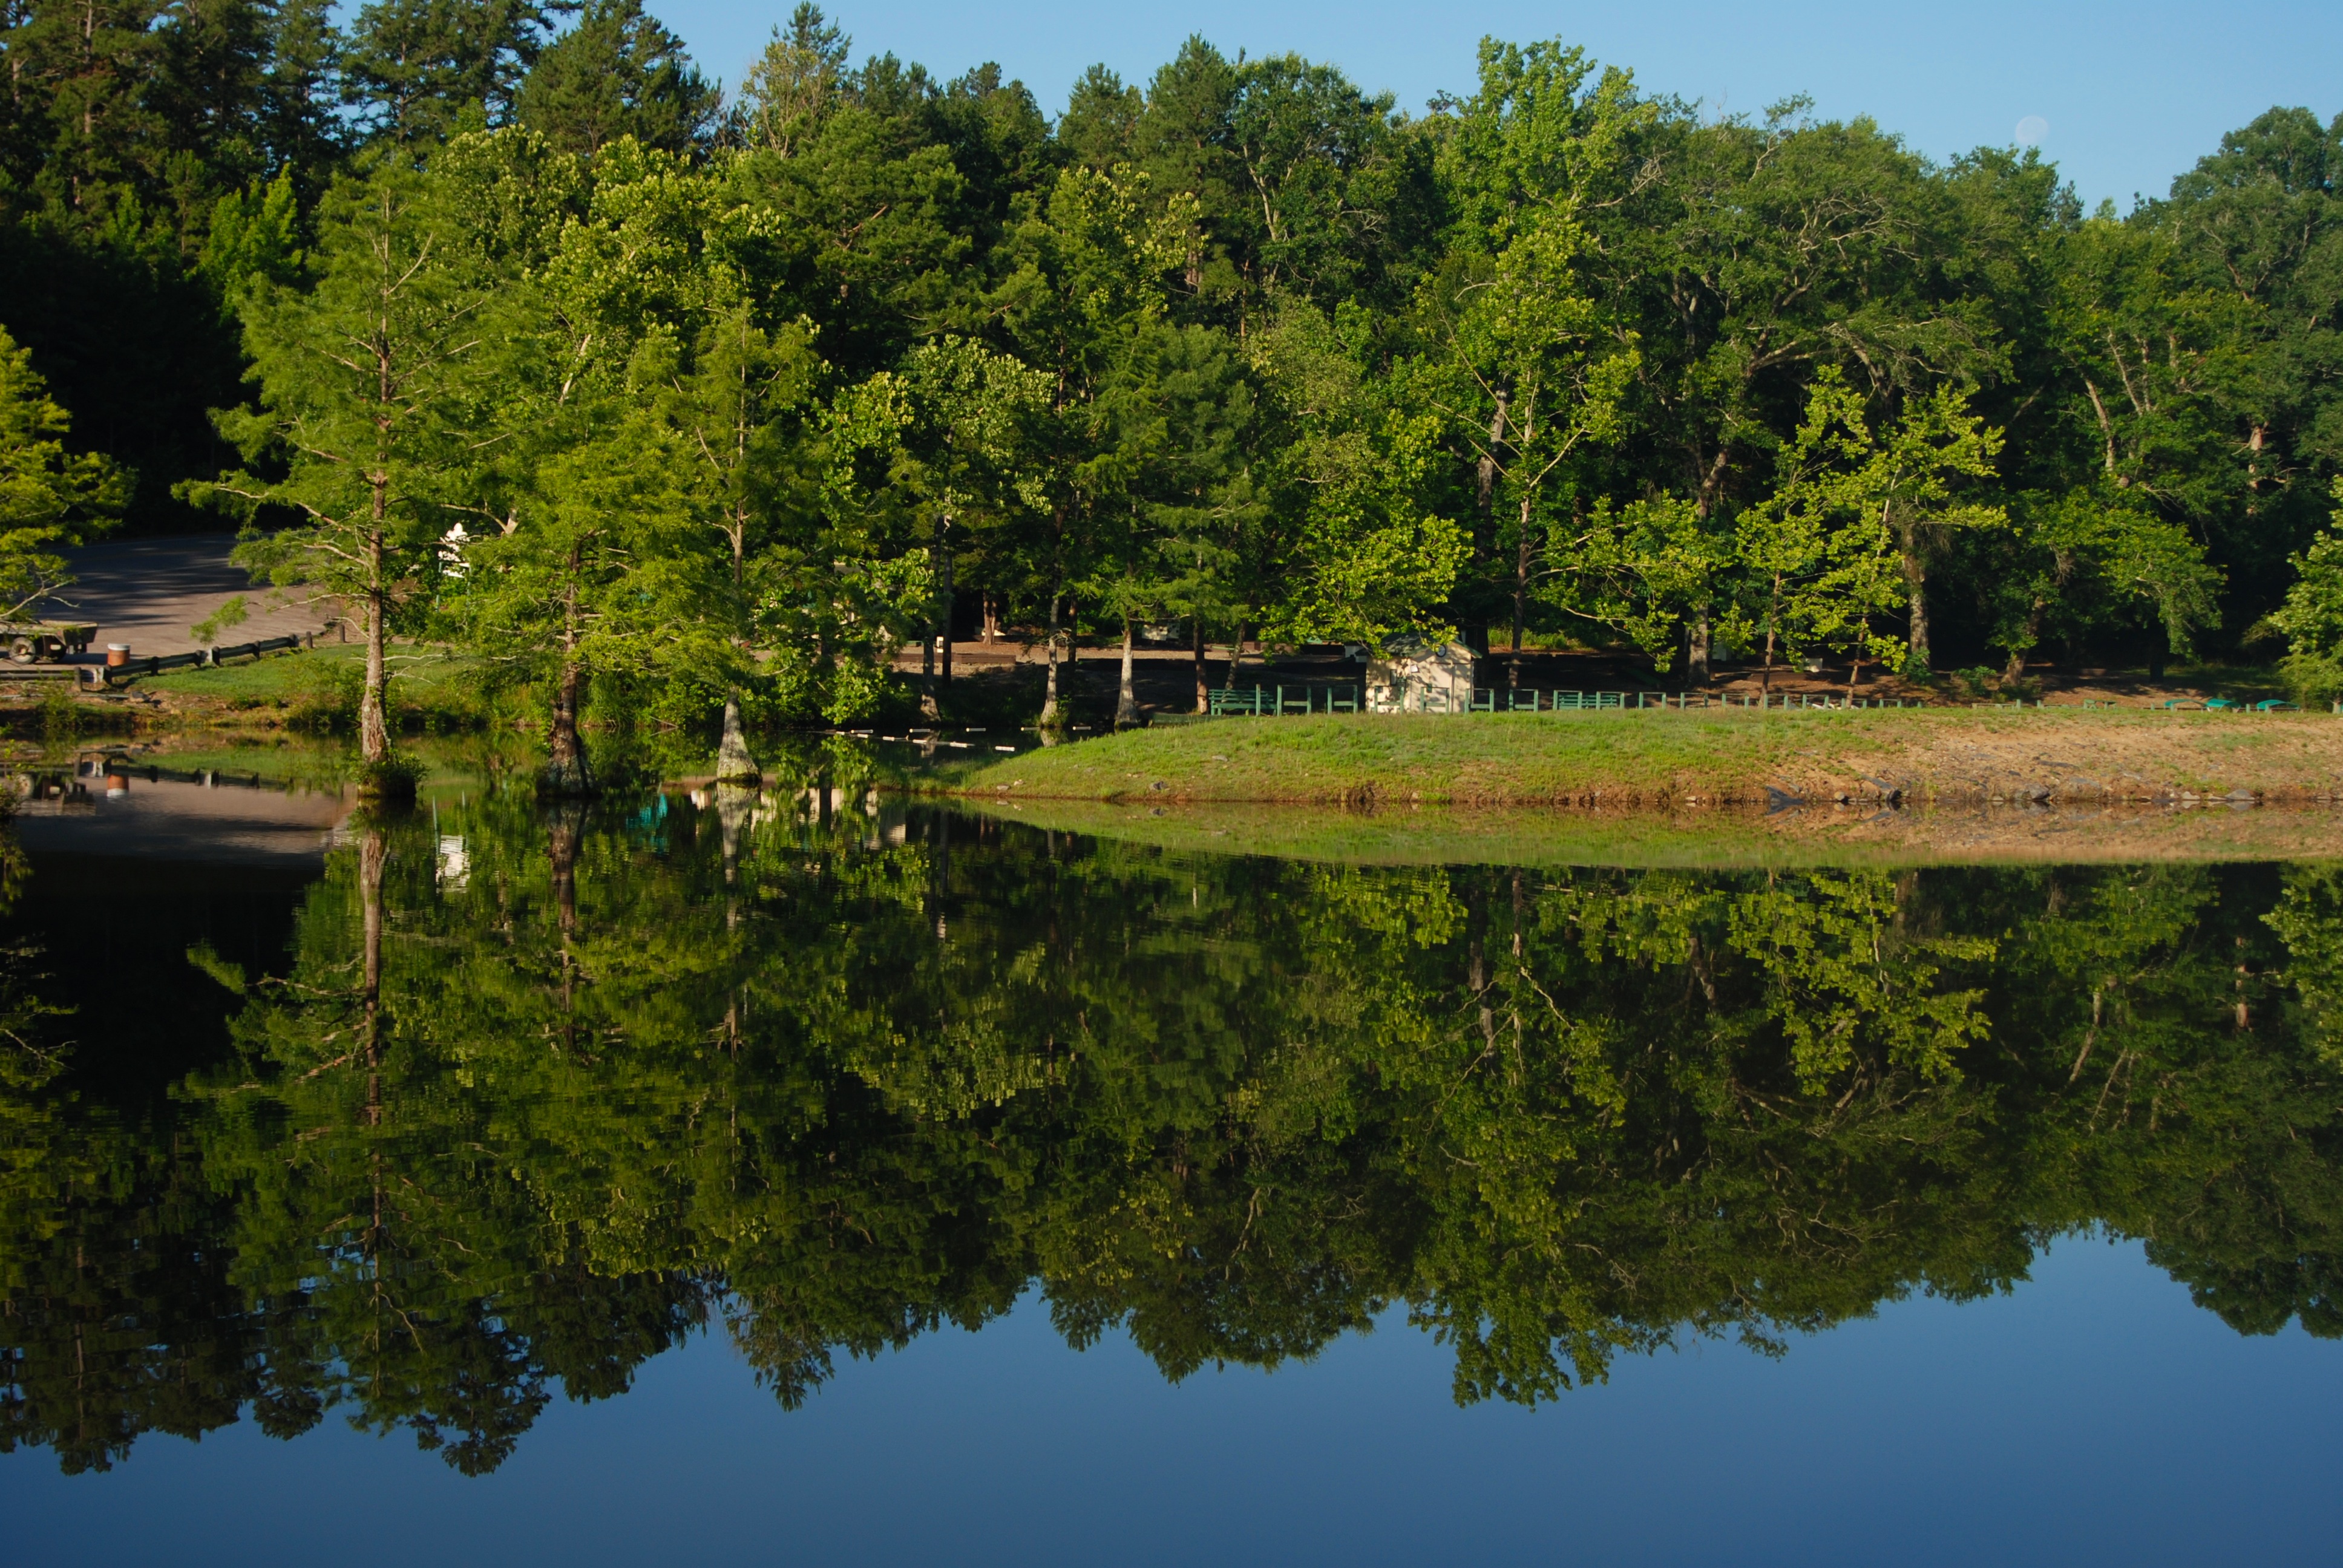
(2032, 129)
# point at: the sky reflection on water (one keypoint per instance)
(2094, 1416)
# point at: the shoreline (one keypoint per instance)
(1699, 838)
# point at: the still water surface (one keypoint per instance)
(769, 1177)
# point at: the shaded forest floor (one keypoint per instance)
(1001, 683)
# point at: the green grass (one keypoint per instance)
(1488, 758)
(1643, 757)
(320, 687)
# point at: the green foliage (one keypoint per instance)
(1354, 473)
(254, 237)
(2312, 620)
(2095, 560)
(412, 69)
(232, 613)
(50, 499)
(1836, 542)
(364, 390)
(1266, 353)
(616, 73)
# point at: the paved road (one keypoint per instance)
(149, 593)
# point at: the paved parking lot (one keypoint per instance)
(150, 593)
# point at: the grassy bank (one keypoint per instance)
(1717, 756)
(318, 690)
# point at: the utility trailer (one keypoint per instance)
(44, 641)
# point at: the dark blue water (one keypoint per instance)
(2092, 1415)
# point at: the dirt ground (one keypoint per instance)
(2013, 757)
(1002, 681)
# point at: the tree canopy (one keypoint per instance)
(1539, 362)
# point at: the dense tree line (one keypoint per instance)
(750, 391)
(528, 1097)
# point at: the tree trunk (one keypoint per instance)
(1916, 576)
(928, 708)
(735, 804)
(2015, 671)
(1203, 679)
(1050, 716)
(374, 730)
(1696, 649)
(372, 854)
(566, 772)
(566, 769)
(1126, 702)
(1520, 597)
(733, 763)
(944, 663)
(1488, 464)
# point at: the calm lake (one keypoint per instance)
(807, 1177)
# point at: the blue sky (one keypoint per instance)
(2132, 94)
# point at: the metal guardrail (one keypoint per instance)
(202, 659)
(1252, 701)
(1268, 701)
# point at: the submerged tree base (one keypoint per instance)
(392, 780)
(733, 763)
(565, 780)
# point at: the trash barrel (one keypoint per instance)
(117, 654)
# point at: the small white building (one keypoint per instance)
(1414, 676)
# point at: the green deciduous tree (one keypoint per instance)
(2311, 619)
(1836, 547)
(1352, 547)
(586, 566)
(2098, 559)
(1087, 257)
(964, 473)
(1529, 368)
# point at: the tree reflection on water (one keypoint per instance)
(528, 1098)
